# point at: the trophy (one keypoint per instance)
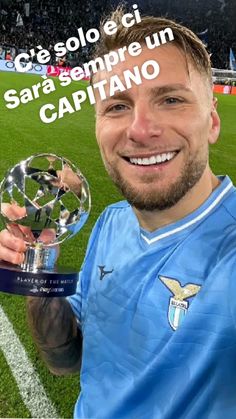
(45, 200)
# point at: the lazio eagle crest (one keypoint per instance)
(177, 306)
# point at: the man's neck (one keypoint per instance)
(152, 220)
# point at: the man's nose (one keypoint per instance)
(144, 124)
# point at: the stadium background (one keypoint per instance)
(25, 24)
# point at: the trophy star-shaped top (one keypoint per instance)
(47, 192)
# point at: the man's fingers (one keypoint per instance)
(13, 211)
(11, 242)
(11, 256)
(11, 248)
(15, 230)
(21, 232)
(27, 234)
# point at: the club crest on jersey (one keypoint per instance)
(178, 308)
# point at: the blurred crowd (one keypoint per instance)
(25, 24)
(213, 20)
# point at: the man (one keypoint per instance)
(154, 313)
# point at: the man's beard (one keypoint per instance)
(156, 199)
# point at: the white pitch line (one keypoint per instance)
(29, 384)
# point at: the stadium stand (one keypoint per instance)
(214, 19)
(27, 23)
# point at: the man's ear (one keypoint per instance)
(215, 123)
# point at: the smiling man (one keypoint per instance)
(154, 316)
(158, 151)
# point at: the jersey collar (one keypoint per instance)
(216, 197)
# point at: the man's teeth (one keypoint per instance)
(159, 158)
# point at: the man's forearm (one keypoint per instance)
(55, 332)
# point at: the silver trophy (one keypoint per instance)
(45, 200)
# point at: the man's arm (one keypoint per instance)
(54, 328)
(52, 320)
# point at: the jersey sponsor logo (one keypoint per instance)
(103, 272)
(178, 308)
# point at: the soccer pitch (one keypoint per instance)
(23, 134)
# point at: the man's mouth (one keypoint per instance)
(152, 160)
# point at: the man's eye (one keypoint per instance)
(172, 100)
(119, 107)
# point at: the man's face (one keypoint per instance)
(154, 137)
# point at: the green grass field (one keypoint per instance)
(22, 134)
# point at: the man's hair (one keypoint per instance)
(184, 39)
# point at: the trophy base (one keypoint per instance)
(58, 282)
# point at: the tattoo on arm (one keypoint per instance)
(54, 328)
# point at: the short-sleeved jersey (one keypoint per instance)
(158, 315)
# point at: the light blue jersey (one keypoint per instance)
(158, 315)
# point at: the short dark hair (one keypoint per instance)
(184, 38)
